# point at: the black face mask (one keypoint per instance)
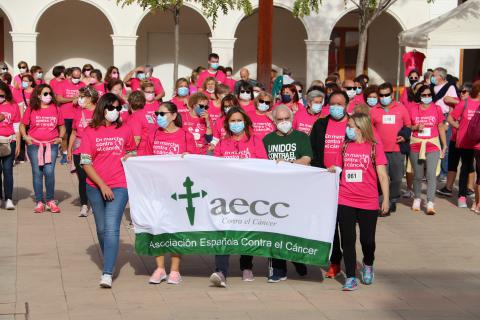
(412, 81)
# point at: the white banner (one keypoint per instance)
(209, 205)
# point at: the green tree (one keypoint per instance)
(211, 9)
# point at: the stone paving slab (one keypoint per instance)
(427, 268)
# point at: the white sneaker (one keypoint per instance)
(430, 208)
(9, 205)
(416, 204)
(84, 211)
(106, 281)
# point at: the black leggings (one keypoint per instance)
(82, 180)
(367, 222)
(466, 156)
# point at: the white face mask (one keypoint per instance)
(82, 101)
(284, 126)
(112, 116)
(149, 96)
(2, 100)
(23, 70)
(39, 75)
(75, 81)
(263, 107)
(245, 96)
(211, 90)
(46, 99)
(351, 93)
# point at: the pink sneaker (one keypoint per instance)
(158, 276)
(174, 277)
(39, 208)
(52, 206)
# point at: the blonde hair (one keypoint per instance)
(262, 95)
(363, 123)
(362, 108)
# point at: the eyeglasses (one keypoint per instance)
(245, 91)
(384, 95)
(426, 95)
(112, 107)
(267, 102)
(2, 96)
(350, 88)
(161, 113)
(47, 94)
(203, 106)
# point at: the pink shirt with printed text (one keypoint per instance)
(244, 148)
(198, 128)
(161, 142)
(11, 111)
(334, 137)
(55, 85)
(43, 122)
(81, 120)
(69, 90)
(143, 124)
(135, 84)
(465, 114)
(180, 103)
(430, 118)
(388, 124)
(213, 111)
(262, 125)
(219, 75)
(303, 120)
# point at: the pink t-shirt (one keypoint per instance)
(290, 106)
(17, 81)
(181, 104)
(135, 85)
(43, 122)
(245, 148)
(218, 129)
(18, 97)
(303, 120)
(358, 99)
(55, 85)
(388, 124)
(248, 108)
(107, 146)
(161, 142)
(213, 111)
(262, 125)
(430, 118)
(219, 75)
(81, 120)
(69, 90)
(404, 97)
(230, 83)
(143, 123)
(334, 138)
(325, 111)
(198, 128)
(11, 112)
(100, 87)
(464, 115)
(358, 183)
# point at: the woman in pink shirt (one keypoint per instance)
(214, 105)
(428, 137)
(197, 121)
(245, 96)
(45, 133)
(305, 117)
(87, 99)
(362, 161)
(209, 86)
(96, 82)
(37, 73)
(218, 129)
(229, 81)
(117, 87)
(10, 142)
(23, 68)
(182, 93)
(262, 116)
(86, 73)
(22, 96)
(169, 138)
(289, 97)
(105, 144)
(58, 73)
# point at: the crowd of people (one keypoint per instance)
(93, 123)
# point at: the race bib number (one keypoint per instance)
(426, 132)
(354, 175)
(388, 119)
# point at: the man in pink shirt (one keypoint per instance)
(59, 76)
(134, 79)
(388, 119)
(212, 71)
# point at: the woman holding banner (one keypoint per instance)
(362, 161)
(169, 138)
(105, 144)
(239, 142)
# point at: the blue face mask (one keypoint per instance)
(236, 127)
(316, 107)
(214, 65)
(433, 80)
(182, 91)
(337, 111)
(372, 102)
(162, 121)
(385, 101)
(199, 110)
(263, 107)
(24, 84)
(427, 100)
(141, 76)
(286, 98)
(358, 91)
(351, 134)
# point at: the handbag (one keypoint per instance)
(5, 148)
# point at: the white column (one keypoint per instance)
(317, 60)
(124, 53)
(24, 47)
(224, 48)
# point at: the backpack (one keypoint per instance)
(473, 130)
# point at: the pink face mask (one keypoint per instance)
(149, 96)
(87, 73)
(114, 76)
(93, 81)
(46, 99)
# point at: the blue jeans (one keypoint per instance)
(108, 216)
(38, 172)
(6, 173)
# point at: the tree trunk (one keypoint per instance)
(362, 50)
(264, 42)
(176, 32)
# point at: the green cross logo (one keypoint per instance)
(189, 196)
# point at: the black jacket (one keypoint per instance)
(317, 140)
(405, 132)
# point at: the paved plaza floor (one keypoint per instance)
(427, 267)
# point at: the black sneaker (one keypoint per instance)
(300, 268)
(445, 192)
(470, 193)
(393, 207)
(275, 279)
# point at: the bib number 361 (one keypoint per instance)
(353, 175)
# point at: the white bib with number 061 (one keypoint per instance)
(388, 119)
(353, 175)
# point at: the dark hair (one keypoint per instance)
(112, 83)
(213, 55)
(475, 89)
(466, 86)
(68, 71)
(58, 70)
(8, 93)
(34, 69)
(413, 71)
(22, 63)
(424, 87)
(316, 88)
(228, 98)
(337, 92)
(247, 86)
(331, 79)
(412, 93)
(194, 98)
(292, 88)
(368, 90)
(6, 77)
(136, 100)
(98, 118)
(246, 119)
(30, 78)
(363, 78)
(108, 74)
(360, 80)
(172, 107)
(73, 69)
(98, 73)
(385, 85)
(228, 69)
(87, 66)
(89, 91)
(35, 101)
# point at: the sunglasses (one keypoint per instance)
(426, 95)
(350, 88)
(112, 107)
(245, 91)
(202, 106)
(88, 70)
(161, 113)
(47, 94)
(464, 91)
(385, 95)
(265, 101)
(413, 78)
(2, 96)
